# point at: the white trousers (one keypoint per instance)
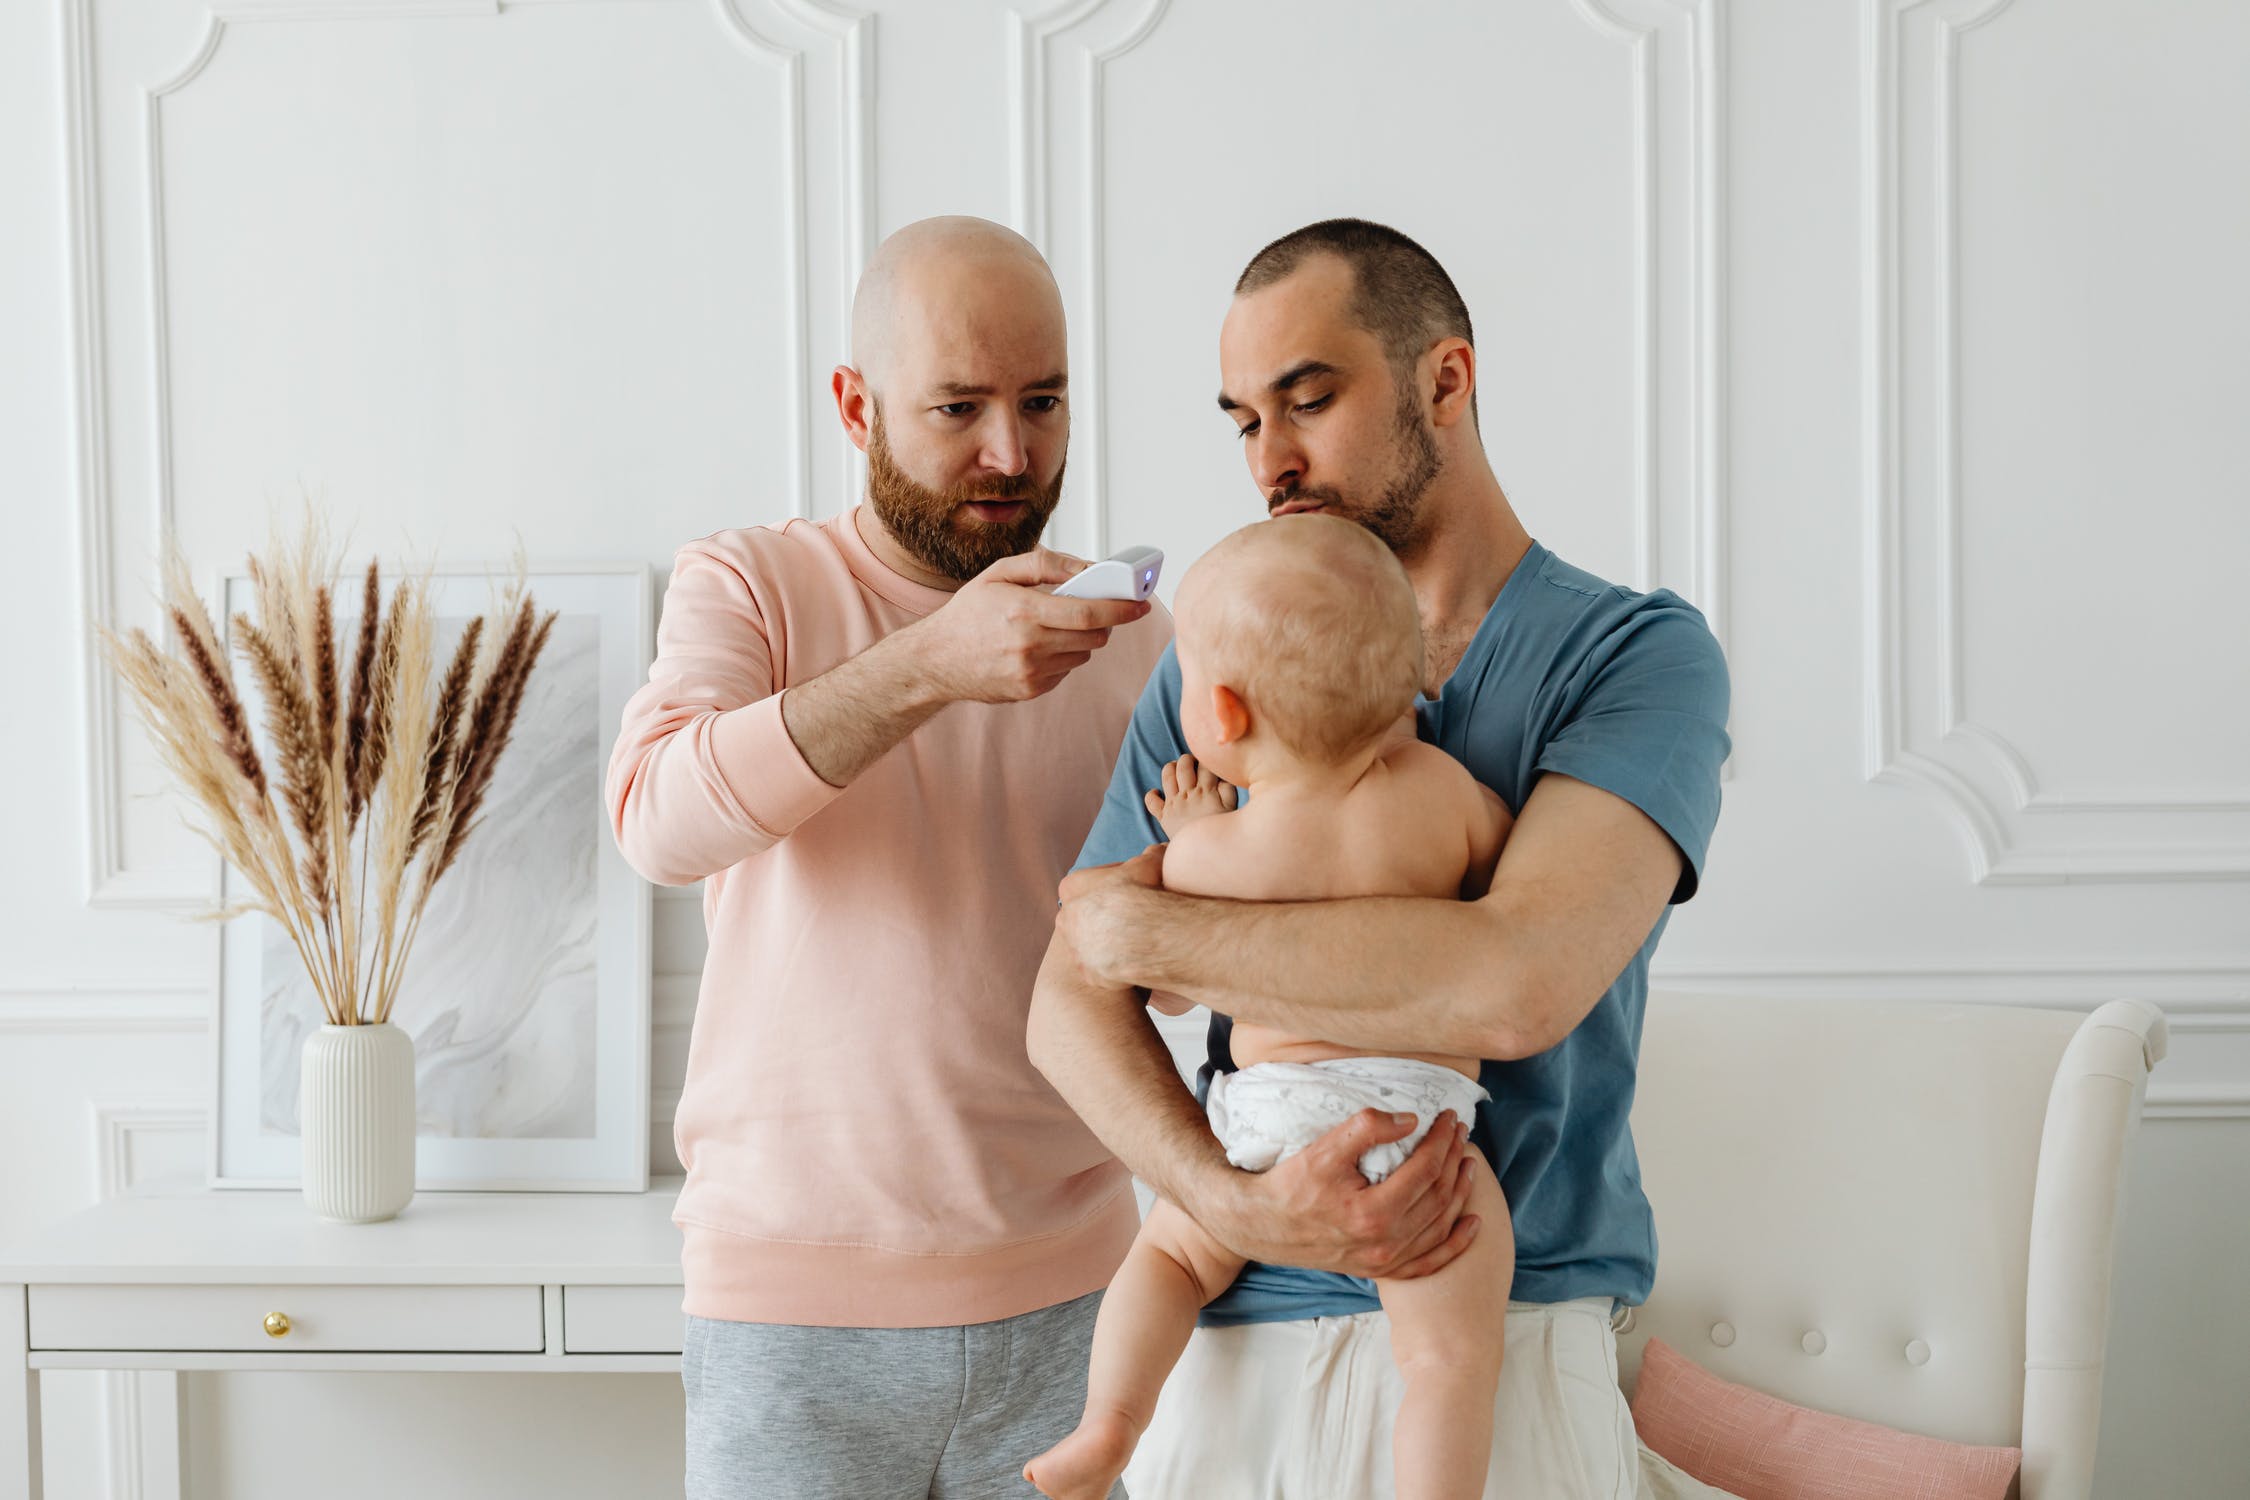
(1303, 1411)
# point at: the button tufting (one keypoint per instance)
(1917, 1353)
(1814, 1342)
(1722, 1334)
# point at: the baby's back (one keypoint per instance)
(1416, 824)
(1402, 830)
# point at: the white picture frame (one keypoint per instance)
(508, 1096)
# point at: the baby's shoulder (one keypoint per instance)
(1425, 789)
(1202, 858)
(1417, 769)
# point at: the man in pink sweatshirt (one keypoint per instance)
(879, 741)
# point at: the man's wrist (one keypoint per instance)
(911, 675)
(1165, 965)
(1211, 1190)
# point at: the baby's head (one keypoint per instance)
(1299, 643)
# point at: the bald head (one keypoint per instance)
(1312, 620)
(945, 280)
(957, 393)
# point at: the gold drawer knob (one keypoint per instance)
(277, 1324)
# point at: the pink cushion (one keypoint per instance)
(1753, 1445)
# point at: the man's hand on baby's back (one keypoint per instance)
(1315, 1210)
(1189, 792)
(1003, 638)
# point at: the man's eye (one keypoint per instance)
(1043, 403)
(1313, 405)
(958, 408)
(1243, 432)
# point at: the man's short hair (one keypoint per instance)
(1400, 292)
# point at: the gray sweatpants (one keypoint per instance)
(781, 1412)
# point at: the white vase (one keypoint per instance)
(355, 1114)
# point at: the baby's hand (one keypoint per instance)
(1188, 793)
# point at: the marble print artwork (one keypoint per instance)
(499, 992)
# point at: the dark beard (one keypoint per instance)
(924, 521)
(1396, 515)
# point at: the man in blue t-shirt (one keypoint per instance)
(1599, 716)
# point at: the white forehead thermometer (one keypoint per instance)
(1130, 574)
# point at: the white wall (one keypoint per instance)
(1901, 337)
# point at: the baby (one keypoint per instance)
(1300, 651)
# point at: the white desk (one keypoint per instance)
(251, 1280)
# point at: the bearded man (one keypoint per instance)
(880, 741)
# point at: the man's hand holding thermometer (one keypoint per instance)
(1003, 638)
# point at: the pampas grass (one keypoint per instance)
(375, 770)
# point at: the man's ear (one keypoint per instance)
(1229, 714)
(1453, 374)
(855, 404)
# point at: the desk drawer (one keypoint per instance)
(442, 1319)
(622, 1320)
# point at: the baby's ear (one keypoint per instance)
(1229, 714)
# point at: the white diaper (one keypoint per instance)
(1268, 1112)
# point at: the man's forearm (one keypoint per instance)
(1584, 879)
(1098, 1048)
(850, 716)
(1390, 973)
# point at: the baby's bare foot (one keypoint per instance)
(1086, 1464)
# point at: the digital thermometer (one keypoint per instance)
(1130, 574)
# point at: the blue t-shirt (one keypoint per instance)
(1568, 673)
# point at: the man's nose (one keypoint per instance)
(1004, 451)
(1275, 462)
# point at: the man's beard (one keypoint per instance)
(1396, 515)
(925, 521)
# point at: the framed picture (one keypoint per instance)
(526, 992)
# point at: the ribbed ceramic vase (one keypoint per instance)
(355, 1115)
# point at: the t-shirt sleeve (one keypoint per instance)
(1152, 740)
(1650, 726)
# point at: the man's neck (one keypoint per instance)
(1473, 543)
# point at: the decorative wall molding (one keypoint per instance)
(114, 1126)
(108, 883)
(105, 1009)
(850, 34)
(351, 10)
(1703, 478)
(100, 790)
(1033, 41)
(2180, 986)
(140, 1409)
(1918, 725)
(2214, 1102)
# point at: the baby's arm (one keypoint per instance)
(1188, 795)
(1489, 823)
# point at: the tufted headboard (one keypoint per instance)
(1897, 1211)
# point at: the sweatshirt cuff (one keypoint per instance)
(758, 762)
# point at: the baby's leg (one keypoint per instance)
(1447, 1330)
(1147, 1315)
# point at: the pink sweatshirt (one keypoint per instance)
(866, 1142)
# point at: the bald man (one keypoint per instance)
(879, 740)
